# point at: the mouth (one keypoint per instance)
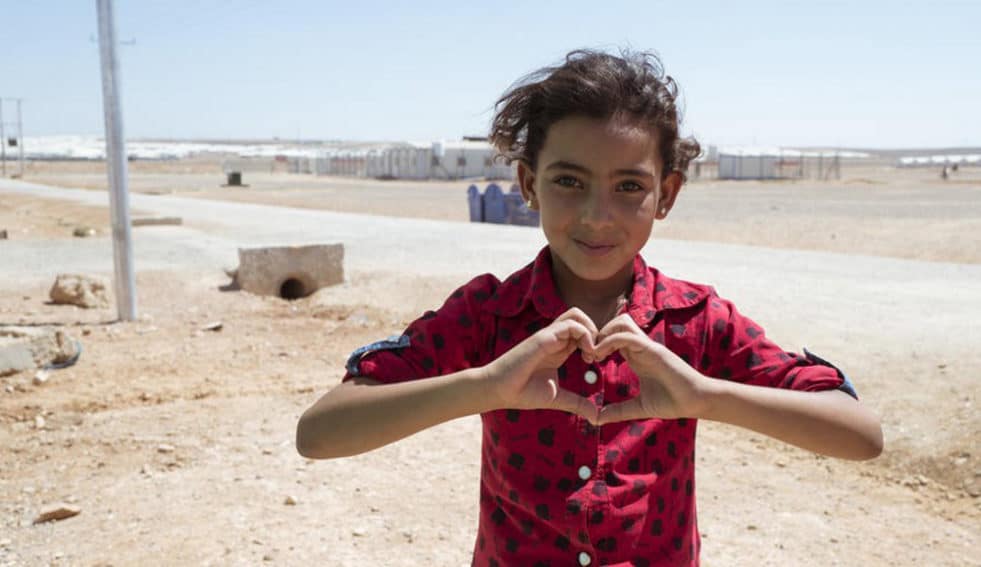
(594, 248)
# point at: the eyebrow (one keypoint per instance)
(563, 164)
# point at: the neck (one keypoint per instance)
(598, 298)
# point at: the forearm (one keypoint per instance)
(830, 423)
(354, 418)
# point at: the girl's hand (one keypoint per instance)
(526, 377)
(669, 387)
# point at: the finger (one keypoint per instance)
(577, 333)
(623, 411)
(622, 341)
(620, 324)
(579, 315)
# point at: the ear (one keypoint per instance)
(526, 180)
(670, 187)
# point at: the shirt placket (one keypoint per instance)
(591, 468)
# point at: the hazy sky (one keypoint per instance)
(851, 74)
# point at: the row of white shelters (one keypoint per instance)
(939, 160)
(438, 160)
(757, 163)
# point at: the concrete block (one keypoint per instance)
(27, 348)
(157, 221)
(290, 272)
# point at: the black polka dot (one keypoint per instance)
(533, 327)
(504, 335)
(438, 341)
(753, 360)
(672, 449)
(640, 562)
(512, 415)
(660, 505)
(682, 422)
(607, 544)
(627, 524)
(429, 315)
(427, 363)
(676, 542)
(562, 372)
(675, 485)
(633, 465)
(611, 455)
(564, 484)
(542, 511)
(513, 495)
(458, 294)
(651, 440)
(639, 487)
(497, 516)
(541, 483)
(719, 326)
(512, 545)
(599, 488)
(681, 519)
(725, 373)
(527, 526)
(562, 542)
(690, 295)
(573, 506)
(569, 458)
(480, 295)
(596, 517)
(516, 460)
(656, 466)
(494, 437)
(623, 390)
(689, 488)
(656, 527)
(678, 330)
(753, 332)
(636, 429)
(546, 436)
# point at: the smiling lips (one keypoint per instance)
(593, 249)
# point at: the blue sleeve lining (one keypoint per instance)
(393, 342)
(846, 386)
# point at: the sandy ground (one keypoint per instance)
(176, 442)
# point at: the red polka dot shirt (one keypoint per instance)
(555, 490)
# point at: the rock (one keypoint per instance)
(40, 377)
(27, 348)
(77, 289)
(57, 512)
(359, 532)
(214, 326)
(83, 231)
(165, 448)
(38, 422)
(290, 501)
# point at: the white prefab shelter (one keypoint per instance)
(437, 160)
(755, 163)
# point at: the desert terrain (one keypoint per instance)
(175, 440)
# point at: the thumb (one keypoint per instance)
(623, 411)
(573, 403)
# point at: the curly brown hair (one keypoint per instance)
(597, 85)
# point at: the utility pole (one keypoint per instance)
(16, 141)
(124, 281)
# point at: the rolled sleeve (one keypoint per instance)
(740, 351)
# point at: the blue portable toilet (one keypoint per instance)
(495, 208)
(476, 204)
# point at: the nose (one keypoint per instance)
(597, 209)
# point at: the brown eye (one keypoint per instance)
(630, 187)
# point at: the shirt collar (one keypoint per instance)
(534, 284)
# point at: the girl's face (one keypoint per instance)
(598, 185)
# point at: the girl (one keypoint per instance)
(588, 367)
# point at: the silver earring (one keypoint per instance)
(529, 203)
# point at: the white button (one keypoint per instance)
(584, 472)
(584, 558)
(590, 377)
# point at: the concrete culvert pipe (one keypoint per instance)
(292, 288)
(290, 272)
